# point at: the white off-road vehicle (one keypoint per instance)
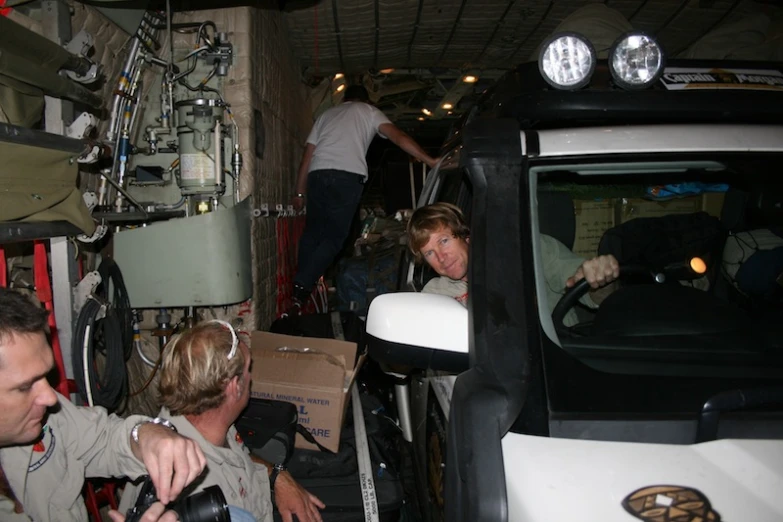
(666, 402)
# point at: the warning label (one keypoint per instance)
(196, 167)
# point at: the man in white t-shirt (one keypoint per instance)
(331, 177)
(439, 235)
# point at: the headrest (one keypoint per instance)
(556, 216)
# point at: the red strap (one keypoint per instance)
(4, 11)
(43, 289)
(3, 267)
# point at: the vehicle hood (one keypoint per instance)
(564, 479)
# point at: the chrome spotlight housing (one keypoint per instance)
(636, 61)
(567, 61)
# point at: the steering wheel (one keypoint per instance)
(576, 292)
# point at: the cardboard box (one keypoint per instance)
(314, 374)
(593, 218)
(711, 203)
(632, 208)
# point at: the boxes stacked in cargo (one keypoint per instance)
(594, 217)
(314, 374)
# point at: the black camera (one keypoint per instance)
(207, 506)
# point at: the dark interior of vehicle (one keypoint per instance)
(658, 316)
(669, 341)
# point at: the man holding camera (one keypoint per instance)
(48, 445)
(204, 387)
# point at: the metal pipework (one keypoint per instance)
(164, 330)
(103, 187)
(122, 86)
(166, 100)
(107, 177)
(219, 155)
(147, 32)
(122, 145)
(236, 159)
(51, 83)
(152, 137)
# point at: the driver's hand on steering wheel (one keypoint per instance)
(599, 271)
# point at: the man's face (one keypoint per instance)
(25, 394)
(447, 254)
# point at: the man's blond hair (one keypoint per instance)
(196, 369)
(428, 219)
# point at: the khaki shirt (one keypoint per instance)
(245, 483)
(7, 513)
(47, 477)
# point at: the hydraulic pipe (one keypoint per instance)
(236, 160)
(125, 118)
(218, 156)
(135, 92)
(122, 86)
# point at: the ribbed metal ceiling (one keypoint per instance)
(355, 35)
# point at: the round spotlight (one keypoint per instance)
(567, 61)
(636, 61)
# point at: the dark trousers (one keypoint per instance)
(332, 199)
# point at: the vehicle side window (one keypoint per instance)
(455, 188)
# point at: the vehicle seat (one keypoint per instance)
(420, 274)
(556, 217)
(666, 241)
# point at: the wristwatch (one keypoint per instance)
(157, 420)
(276, 470)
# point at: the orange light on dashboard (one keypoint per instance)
(698, 265)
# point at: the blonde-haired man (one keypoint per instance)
(438, 234)
(204, 386)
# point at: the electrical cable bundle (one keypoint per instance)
(105, 324)
(119, 300)
(105, 334)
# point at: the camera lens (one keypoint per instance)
(208, 506)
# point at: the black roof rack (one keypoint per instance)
(690, 91)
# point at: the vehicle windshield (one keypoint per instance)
(698, 307)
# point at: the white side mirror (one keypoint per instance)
(419, 330)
